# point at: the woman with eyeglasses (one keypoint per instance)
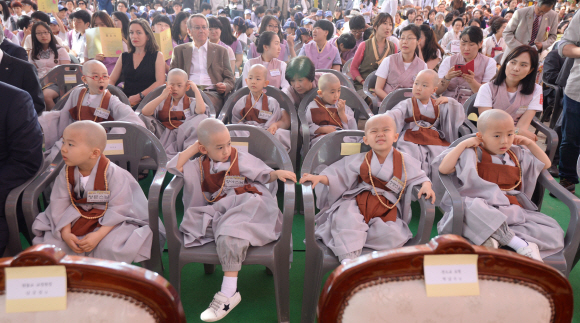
(371, 53)
(135, 66)
(82, 5)
(44, 55)
(271, 23)
(399, 70)
(103, 20)
(458, 80)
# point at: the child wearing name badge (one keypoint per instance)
(427, 126)
(93, 102)
(319, 50)
(177, 115)
(97, 209)
(327, 112)
(365, 199)
(257, 109)
(226, 201)
(498, 171)
(514, 90)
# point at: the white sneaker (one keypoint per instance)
(220, 306)
(491, 243)
(531, 251)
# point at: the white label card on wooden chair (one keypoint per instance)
(70, 78)
(451, 275)
(114, 147)
(349, 148)
(35, 289)
(240, 146)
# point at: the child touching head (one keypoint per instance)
(96, 77)
(329, 92)
(425, 85)
(83, 144)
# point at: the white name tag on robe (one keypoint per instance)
(274, 72)
(102, 113)
(451, 275)
(35, 289)
(98, 196)
(522, 110)
(187, 113)
(395, 185)
(235, 181)
(265, 115)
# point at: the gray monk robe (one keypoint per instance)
(342, 226)
(488, 208)
(101, 107)
(262, 113)
(126, 210)
(174, 125)
(426, 131)
(244, 209)
(319, 114)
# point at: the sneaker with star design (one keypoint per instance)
(220, 306)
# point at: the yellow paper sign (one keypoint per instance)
(114, 147)
(106, 41)
(47, 6)
(35, 289)
(240, 146)
(472, 117)
(165, 43)
(349, 148)
(451, 275)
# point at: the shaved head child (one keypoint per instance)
(226, 201)
(258, 109)
(97, 209)
(174, 116)
(328, 113)
(91, 102)
(427, 126)
(499, 170)
(365, 199)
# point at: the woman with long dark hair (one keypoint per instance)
(179, 29)
(399, 70)
(44, 55)
(215, 31)
(459, 84)
(134, 67)
(458, 5)
(429, 50)
(514, 89)
(271, 23)
(120, 20)
(102, 19)
(227, 37)
(370, 54)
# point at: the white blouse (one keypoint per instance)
(45, 61)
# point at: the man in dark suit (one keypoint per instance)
(22, 75)
(20, 147)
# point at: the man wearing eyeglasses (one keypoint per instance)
(535, 26)
(207, 64)
(357, 27)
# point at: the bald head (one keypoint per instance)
(177, 72)
(326, 80)
(258, 69)
(430, 75)
(208, 128)
(492, 117)
(93, 66)
(89, 132)
(380, 120)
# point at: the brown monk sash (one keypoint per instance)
(212, 183)
(89, 220)
(81, 112)
(251, 114)
(425, 135)
(172, 119)
(324, 116)
(505, 176)
(369, 205)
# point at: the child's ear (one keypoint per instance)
(187, 87)
(478, 134)
(266, 83)
(96, 153)
(84, 79)
(396, 137)
(319, 92)
(365, 140)
(202, 149)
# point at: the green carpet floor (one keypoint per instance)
(257, 287)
